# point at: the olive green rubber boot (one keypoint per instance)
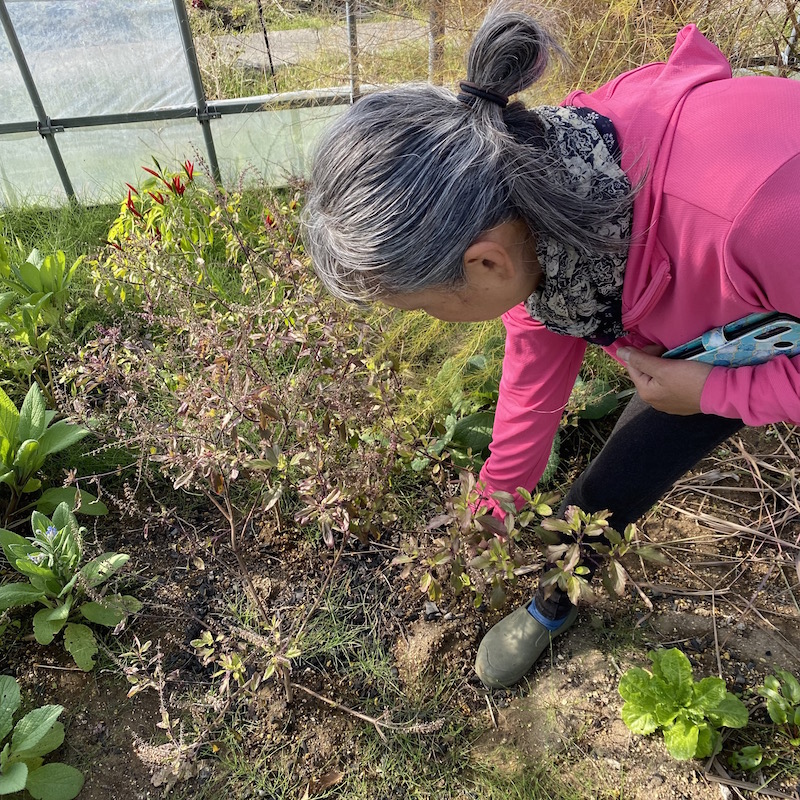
(512, 646)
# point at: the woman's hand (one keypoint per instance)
(673, 387)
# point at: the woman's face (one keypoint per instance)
(501, 271)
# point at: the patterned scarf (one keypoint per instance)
(582, 295)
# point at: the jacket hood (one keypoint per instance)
(644, 106)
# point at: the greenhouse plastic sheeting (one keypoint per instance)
(94, 57)
(91, 58)
(273, 144)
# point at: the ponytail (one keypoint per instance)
(409, 177)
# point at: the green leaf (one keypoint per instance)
(642, 695)
(599, 398)
(14, 778)
(27, 567)
(13, 595)
(791, 686)
(666, 713)
(32, 485)
(33, 727)
(681, 739)
(474, 431)
(27, 460)
(707, 741)
(53, 739)
(47, 622)
(9, 703)
(52, 498)
(112, 610)
(9, 418)
(747, 758)
(29, 272)
(55, 782)
(39, 522)
(9, 537)
(81, 644)
(673, 667)
(708, 693)
(61, 435)
(100, 569)
(731, 713)
(31, 415)
(777, 711)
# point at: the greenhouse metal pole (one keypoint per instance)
(203, 114)
(44, 127)
(352, 39)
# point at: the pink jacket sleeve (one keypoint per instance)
(763, 264)
(539, 371)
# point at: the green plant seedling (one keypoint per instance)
(782, 693)
(28, 437)
(689, 713)
(52, 561)
(21, 760)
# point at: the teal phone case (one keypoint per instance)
(751, 340)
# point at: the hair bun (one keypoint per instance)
(510, 51)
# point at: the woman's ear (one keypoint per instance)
(488, 260)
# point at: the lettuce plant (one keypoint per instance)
(52, 561)
(21, 760)
(689, 713)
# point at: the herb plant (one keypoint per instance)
(689, 713)
(27, 438)
(588, 533)
(21, 760)
(34, 297)
(52, 561)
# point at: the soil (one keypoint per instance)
(727, 598)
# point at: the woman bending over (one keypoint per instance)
(636, 217)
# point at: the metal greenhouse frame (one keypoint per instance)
(50, 125)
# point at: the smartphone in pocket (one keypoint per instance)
(751, 340)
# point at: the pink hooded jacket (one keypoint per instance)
(716, 236)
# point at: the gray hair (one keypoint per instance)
(409, 177)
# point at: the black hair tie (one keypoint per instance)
(469, 91)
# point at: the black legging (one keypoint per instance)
(645, 454)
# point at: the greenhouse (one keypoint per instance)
(91, 90)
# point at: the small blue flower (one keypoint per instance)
(51, 532)
(36, 558)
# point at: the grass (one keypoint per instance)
(77, 230)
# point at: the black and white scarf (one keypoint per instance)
(581, 295)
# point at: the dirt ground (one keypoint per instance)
(728, 598)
